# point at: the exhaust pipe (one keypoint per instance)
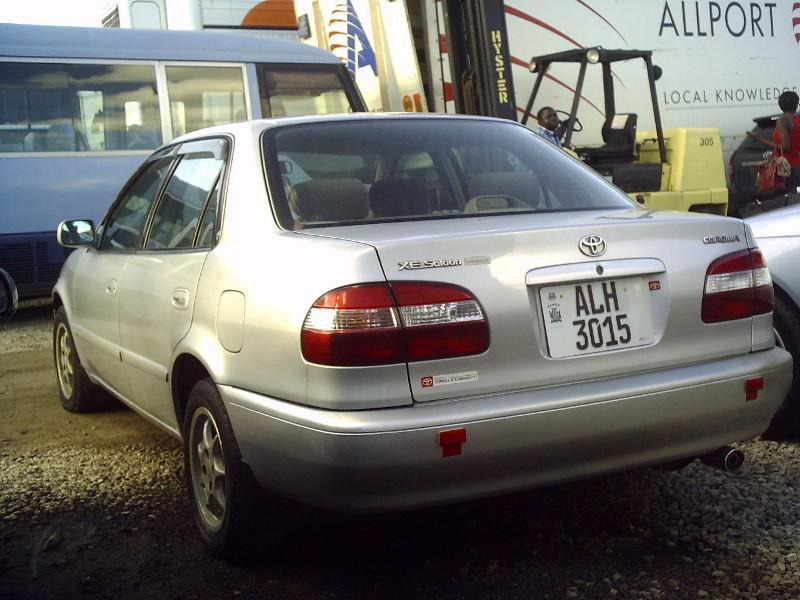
(726, 459)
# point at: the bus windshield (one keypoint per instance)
(301, 90)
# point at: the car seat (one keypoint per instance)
(503, 185)
(35, 141)
(62, 137)
(399, 197)
(330, 199)
(139, 138)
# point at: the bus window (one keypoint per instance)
(77, 107)
(93, 101)
(204, 96)
(291, 91)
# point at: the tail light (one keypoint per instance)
(386, 323)
(732, 168)
(737, 286)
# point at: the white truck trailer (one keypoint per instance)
(724, 62)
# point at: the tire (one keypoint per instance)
(741, 204)
(221, 488)
(76, 392)
(786, 422)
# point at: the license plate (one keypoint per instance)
(598, 316)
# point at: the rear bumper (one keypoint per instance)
(388, 459)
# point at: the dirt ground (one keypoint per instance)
(32, 414)
(94, 506)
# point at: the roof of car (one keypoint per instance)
(258, 125)
(768, 121)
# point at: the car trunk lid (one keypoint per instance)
(557, 315)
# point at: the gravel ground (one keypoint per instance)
(93, 505)
(29, 329)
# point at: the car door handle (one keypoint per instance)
(111, 287)
(180, 298)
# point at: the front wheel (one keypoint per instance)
(786, 422)
(76, 392)
(220, 486)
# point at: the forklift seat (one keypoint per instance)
(619, 135)
(620, 130)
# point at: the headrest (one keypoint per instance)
(35, 141)
(399, 198)
(61, 136)
(139, 138)
(522, 186)
(330, 199)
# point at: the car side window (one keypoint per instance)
(179, 214)
(123, 230)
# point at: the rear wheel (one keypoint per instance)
(221, 488)
(786, 422)
(76, 392)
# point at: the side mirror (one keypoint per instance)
(8, 296)
(73, 234)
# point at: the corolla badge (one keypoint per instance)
(720, 239)
(592, 245)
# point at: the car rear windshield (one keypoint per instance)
(366, 171)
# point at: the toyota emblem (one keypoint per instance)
(592, 245)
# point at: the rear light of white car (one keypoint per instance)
(737, 286)
(380, 323)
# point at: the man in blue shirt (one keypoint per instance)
(548, 121)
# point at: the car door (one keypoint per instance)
(158, 285)
(97, 278)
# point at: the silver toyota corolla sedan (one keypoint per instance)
(372, 312)
(778, 236)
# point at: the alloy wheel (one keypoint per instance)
(64, 360)
(207, 464)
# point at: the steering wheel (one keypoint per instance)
(563, 116)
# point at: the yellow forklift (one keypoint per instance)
(679, 169)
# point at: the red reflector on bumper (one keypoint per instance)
(752, 387)
(451, 441)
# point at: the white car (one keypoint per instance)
(778, 236)
(431, 309)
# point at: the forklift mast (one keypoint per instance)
(481, 62)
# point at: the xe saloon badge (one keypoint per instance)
(410, 265)
(429, 264)
(592, 245)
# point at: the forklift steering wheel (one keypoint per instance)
(563, 116)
